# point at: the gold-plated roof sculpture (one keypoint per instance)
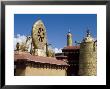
(39, 35)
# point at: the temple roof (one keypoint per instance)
(40, 59)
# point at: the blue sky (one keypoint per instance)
(57, 26)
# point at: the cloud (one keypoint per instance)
(19, 38)
(55, 50)
(58, 50)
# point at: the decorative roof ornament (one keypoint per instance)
(88, 37)
(17, 46)
(69, 38)
(88, 33)
(39, 37)
(69, 33)
(69, 30)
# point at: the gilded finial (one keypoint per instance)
(69, 39)
(88, 32)
(38, 18)
(17, 46)
(69, 30)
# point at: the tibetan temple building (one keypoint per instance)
(39, 61)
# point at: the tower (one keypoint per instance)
(69, 39)
(72, 53)
(88, 56)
